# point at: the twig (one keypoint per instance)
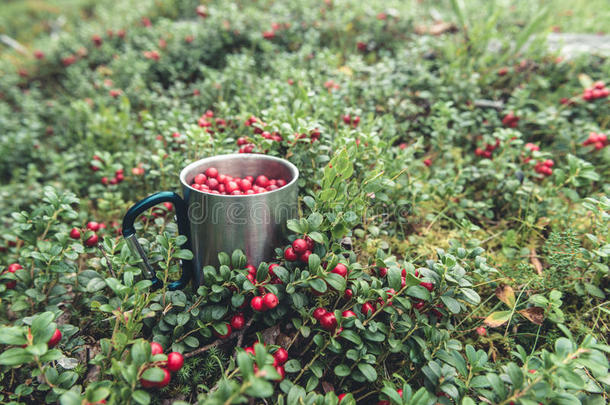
(239, 336)
(204, 348)
(13, 44)
(101, 248)
(535, 261)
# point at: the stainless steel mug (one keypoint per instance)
(215, 223)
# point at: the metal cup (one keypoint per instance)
(215, 223)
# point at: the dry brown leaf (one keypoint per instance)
(534, 314)
(506, 294)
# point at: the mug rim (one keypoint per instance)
(293, 169)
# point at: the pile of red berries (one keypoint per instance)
(544, 168)
(212, 182)
(174, 362)
(487, 152)
(599, 141)
(300, 250)
(349, 120)
(598, 90)
(510, 120)
(12, 268)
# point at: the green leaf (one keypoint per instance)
(315, 220)
(317, 237)
(451, 303)
(395, 278)
(292, 366)
(141, 397)
(368, 371)
(259, 388)
(153, 374)
(15, 356)
(337, 282)
(244, 362)
(341, 370)
(318, 284)
(140, 352)
(351, 336)
(313, 262)
(515, 374)
(418, 292)
(13, 335)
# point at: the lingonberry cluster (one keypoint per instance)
(349, 120)
(280, 357)
(598, 90)
(212, 182)
(510, 120)
(211, 126)
(270, 34)
(488, 149)
(598, 140)
(544, 168)
(12, 268)
(300, 250)
(314, 135)
(174, 362)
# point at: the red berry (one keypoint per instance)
(299, 246)
(368, 309)
(200, 178)
(92, 225)
(211, 172)
(427, 286)
(383, 271)
(262, 181)
(92, 240)
(75, 233)
(166, 379)
(340, 269)
(346, 118)
(481, 331)
(348, 294)
(245, 185)
(281, 355)
(305, 256)
(428, 162)
(226, 335)
(238, 321)
(319, 313)
(257, 303)
(348, 313)
(250, 350)
(328, 321)
(280, 370)
(175, 361)
(54, 339)
(340, 397)
(419, 305)
(155, 348)
(270, 301)
(290, 255)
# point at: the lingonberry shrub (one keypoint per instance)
(445, 190)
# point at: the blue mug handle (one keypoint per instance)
(129, 233)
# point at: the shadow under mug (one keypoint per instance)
(215, 223)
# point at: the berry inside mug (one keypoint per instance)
(228, 202)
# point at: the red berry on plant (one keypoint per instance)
(155, 348)
(270, 301)
(299, 246)
(238, 321)
(481, 331)
(328, 321)
(280, 370)
(92, 240)
(92, 225)
(348, 294)
(257, 303)
(348, 313)
(368, 309)
(281, 355)
(290, 255)
(340, 269)
(175, 361)
(55, 338)
(340, 397)
(166, 379)
(75, 233)
(319, 313)
(427, 286)
(304, 257)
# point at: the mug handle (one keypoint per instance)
(129, 233)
